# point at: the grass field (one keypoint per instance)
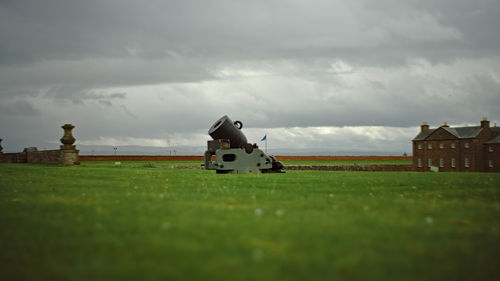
(100, 221)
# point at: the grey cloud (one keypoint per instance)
(133, 69)
(118, 95)
(257, 29)
(92, 73)
(128, 112)
(20, 108)
(79, 95)
(105, 102)
(8, 91)
(96, 43)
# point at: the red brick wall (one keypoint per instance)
(343, 158)
(363, 168)
(459, 153)
(201, 158)
(140, 158)
(493, 156)
(470, 154)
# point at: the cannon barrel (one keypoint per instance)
(225, 128)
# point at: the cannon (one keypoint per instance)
(233, 154)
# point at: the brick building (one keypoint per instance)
(458, 149)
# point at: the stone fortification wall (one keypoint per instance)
(42, 157)
(70, 157)
(66, 155)
(20, 157)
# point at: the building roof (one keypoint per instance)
(424, 134)
(495, 140)
(467, 132)
(459, 132)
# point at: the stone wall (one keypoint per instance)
(64, 157)
(141, 158)
(20, 157)
(70, 157)
(44, 156)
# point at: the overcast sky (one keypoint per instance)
(313, 75)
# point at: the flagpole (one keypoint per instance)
(265, 139)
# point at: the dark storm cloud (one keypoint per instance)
(73, 30)
(272, 63)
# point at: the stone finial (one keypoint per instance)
(68, 139)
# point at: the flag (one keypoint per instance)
(264, 138)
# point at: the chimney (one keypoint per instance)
(424, 127)
(485, 123)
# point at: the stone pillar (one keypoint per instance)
(68, 150)
(1, 148)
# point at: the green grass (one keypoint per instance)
(99, 221)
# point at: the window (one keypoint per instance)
(429, 162)
(419, 146)
(429, 146)
(441, 162)
(419, 162)
(441, 146)
(452, 145)
(490, 148)
(466, 164)
(490, 163)
(453, 162)
(466, 145)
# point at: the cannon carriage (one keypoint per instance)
(233, 153)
